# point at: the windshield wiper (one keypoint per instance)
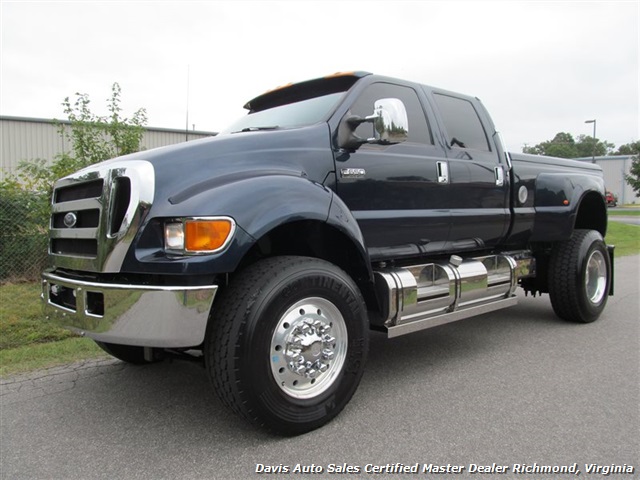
(257, 129)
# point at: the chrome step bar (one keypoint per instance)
(423, 296)
(449, 317)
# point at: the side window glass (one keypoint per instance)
(462, 122)
(419, 131)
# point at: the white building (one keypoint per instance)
(24, 138)
(615, 169)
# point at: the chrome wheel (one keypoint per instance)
(308, 347)
(595, 280)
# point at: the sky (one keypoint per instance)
(539, 67)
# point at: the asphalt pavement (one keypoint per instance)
(629, 219)
(517, 388)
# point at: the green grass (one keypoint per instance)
(43, 355)
(21, 317)
(27, 342)
(623, 213)
(625, 237)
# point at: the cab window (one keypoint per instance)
(462, 123)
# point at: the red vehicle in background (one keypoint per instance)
(612, 200)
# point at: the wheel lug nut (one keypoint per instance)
(327, 339)
(292, 353)
(327, 354)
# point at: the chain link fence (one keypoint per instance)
(24, 221)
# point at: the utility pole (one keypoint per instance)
(186, 128)
(593, 153)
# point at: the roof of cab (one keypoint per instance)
(329, 82)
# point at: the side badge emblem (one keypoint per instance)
(353, 172)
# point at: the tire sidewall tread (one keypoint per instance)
(238, 342)
(567, 269)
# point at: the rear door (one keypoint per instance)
(478, 201)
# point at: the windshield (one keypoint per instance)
(297, 114)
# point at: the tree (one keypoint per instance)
(629, 149)
(588, 146)
(93, 139)
(25, 196)
(564, 145)
(633, 178)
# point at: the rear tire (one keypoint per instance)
(580, 277)
(287, 344)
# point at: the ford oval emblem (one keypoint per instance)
(70, 220)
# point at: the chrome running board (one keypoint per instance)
(449, 317)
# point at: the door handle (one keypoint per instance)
(443, 172)
(499, 176)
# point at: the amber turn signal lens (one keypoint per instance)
(206, 235)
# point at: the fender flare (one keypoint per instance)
(341, 218)
(261, 203)
(558, 197)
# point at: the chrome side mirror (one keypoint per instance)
(390, 122)
(390, 125)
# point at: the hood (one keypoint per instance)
(178, 168)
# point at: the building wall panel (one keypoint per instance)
(32, 138)
(615, 169)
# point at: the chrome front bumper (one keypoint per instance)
(142, 315)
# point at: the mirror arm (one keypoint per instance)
(354, 121)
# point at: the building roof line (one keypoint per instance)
(606, 157)
(67, 122)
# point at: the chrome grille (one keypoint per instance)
(96, 212)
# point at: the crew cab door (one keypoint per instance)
(479, 182)
(394, 191)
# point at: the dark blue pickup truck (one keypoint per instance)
(335, 206)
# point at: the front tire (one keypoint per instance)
(580, 277)
(287, 344)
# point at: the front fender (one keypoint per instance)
(341, 218)
(261, 204)
(258, 204)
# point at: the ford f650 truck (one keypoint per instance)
(335, 206)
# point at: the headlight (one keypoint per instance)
(174, 236)
(198, 235)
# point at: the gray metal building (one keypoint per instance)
(23, 138)
(615, 169)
